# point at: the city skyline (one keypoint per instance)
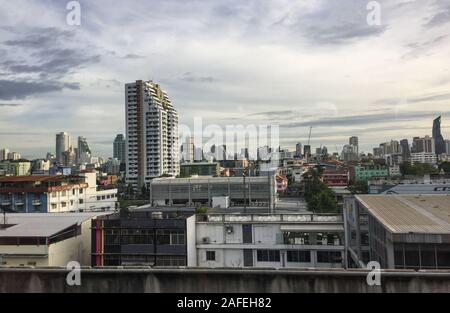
(291, 62)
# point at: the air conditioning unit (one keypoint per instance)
(229, 229)
(205, 240)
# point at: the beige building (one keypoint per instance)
(51, 239)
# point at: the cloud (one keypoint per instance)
(10, 104)
(190, 77)
(18, 90)
(439, 18)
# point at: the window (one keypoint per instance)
(54, 194)
(298, 256)
(80, 201)
(293, 238)
(73, 192)
(98, 198)
(81, 191)
(329, 257)
(63, 193)
(268, 256)
(177, 237)
(54, 206)
(63, 204)
(210, 255)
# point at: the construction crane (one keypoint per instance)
(309, 136)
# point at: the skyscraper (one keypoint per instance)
(188, 150)
(152, 133)
(83, 151)
(119, 148)
(439, 142)
(353, 141)
(4, 154)
(62, 145)
(298, 150)
(406, 151)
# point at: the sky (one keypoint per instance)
(297, 64)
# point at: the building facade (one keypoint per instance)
(62, 145)
(267, 240)
(152, 134)
(120, 148)
(50, 239)
(141, 237)
(199, 191)
(56, 193)
(200, 169)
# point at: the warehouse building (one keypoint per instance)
(403, 231)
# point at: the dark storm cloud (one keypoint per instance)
(365, 119)
(13, 89)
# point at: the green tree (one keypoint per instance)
(445, 166)
(359, 187)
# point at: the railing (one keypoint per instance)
(274, 218)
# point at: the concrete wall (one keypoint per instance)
(218, 281)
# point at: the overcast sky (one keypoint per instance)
(294, 63)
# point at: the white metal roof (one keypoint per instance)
(428, 214)
(42, 224)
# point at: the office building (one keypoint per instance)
(307, 151)
(353, 141)
(120, 148)
(335, 178)
(152, 134)
(399, 231)
(14, 156)
(200, 191)
(406, 150)
(187, 150)
(425, 144)
(424, 157)
(141, 237)
(62, 145)
(349, 153)
(298, 150)
(4, 154)
(437, 135)
(50, 239)
(83, 151)
(267, 240)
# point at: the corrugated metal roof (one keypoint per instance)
(42, 224)
(410, 213)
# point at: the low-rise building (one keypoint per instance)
(51, 239)
(141, 237)
(267, 240)
(364, 172)
(200, 169)
(55, 193)
(335, 178)
(198, 191)
(399, 231)
(424, 157)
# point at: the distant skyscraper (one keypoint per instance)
(406, 151)
(62, 145)
(188, 150)
(425, 144)
(4, 154)
(152, 133)
(447, 146)
(119, 148)
(14, 156)
(83, 151)
(354, 142)
(298, 150)
(437, 136)
(69, 157)
(307, 151)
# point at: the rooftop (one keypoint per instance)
(41, 224)
(401, 214)
(40, 178)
